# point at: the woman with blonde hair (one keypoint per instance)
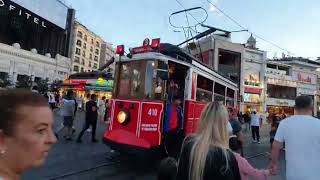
(206, 155)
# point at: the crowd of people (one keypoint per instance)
(213, 152)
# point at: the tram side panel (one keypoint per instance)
(193, 111)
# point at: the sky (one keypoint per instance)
(291, 24)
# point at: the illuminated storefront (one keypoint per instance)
(280, 106)
(253, 91)
(101, 87)
(252, 100)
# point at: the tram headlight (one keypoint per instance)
(123, 117)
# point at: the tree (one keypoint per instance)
(25, 82)
(5, 81)
(43, 85)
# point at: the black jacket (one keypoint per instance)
(215, 164)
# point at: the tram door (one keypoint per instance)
(173, 118)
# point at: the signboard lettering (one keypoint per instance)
(25, 14)
(153, 112)
(149, 127)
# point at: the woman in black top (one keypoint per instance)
(206, 156)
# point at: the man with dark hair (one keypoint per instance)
(91, 118)
(301, 135)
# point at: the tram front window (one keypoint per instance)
(139, 79)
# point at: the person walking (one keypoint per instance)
(246, 118)
(206, 155)
(101, 108)
(68, 111)
(90, 119)
(236, 127)
(301, 134)
(255, 126)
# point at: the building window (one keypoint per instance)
(91, 49)
(82, 70)
(97, 44)
(78, 51)
(96, 58)
(85, 37)
(76, 68)
(90, 64)
(79, 43)
(97, 51)
(82, 62)
(84, 53)
(95, 65)
(92, 41)
(79, 34)
(84, 45)
(90, 56)
(76, 59)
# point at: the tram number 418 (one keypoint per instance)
(153, 112)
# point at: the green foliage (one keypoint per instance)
(43, 85)
(5, 81)
(25, 83)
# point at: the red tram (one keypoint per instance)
(141, 94)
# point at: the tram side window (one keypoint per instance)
(219, 92)
(204, 89)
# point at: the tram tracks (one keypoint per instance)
(123, 168)
(114, 167)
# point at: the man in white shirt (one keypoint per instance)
(255, 125)
(302, 138)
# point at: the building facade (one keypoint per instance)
(225, 57)
(86, 49)
(254, 84)
(34, 42)
(281, 89)
(107, 52)
(305, 73)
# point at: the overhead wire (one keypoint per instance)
(244, 28)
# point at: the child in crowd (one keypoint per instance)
(168, 169)
(246, 170)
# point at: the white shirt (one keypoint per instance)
(301, 135)
(255, 120)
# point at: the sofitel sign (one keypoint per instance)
(21, 12)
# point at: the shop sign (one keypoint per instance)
(78, 82)
(252, 90)
(98, 88)
(22, 13)
(305, 77)
(280, 82)
(280, 102)
(103, 82)
(79, 88)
